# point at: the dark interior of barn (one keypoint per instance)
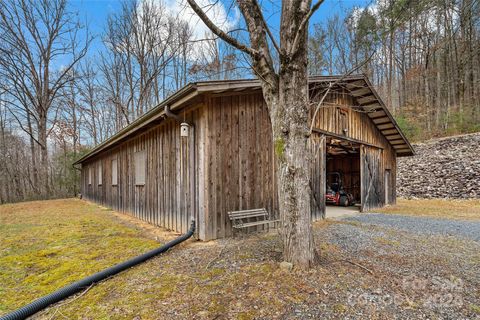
(342, 177)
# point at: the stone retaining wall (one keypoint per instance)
(442, 168)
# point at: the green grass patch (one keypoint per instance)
(475, 308)
(48, 244)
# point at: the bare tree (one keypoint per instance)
(141, 43)
(214, 61)
(15, 172)
(180, 60)
(317, 51)
(422, 63)
(39, 47)
(89, 92)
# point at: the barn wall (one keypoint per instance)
(239, 159)
(233, 167)
(239, 155)
(372, 186)
(167, 198)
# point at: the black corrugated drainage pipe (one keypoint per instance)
(75, 287)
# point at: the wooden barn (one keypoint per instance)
(207, 150)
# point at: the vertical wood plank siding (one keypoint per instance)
(318, 181)
(372, 187)
(240, 160)
(227, 163)
(167, 198)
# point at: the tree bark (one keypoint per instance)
(42, 139)
(291, 138)
(33, 154)
(286, 96)
(290, 135)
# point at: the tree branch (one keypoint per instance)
(332, 84)
(264, 22)
(302, 26)
(30, 134)
(222, 34)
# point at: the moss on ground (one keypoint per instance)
(475, 308)
(48, 244)
(388, 242)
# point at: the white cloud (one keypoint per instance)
(215, 10)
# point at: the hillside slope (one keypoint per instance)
(442, 168)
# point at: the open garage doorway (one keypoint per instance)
(343, 178)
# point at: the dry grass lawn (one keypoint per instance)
(48, 244)
(451, 209)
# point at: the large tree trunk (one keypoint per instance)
(290, 135)
(42, 138)
(286, 94)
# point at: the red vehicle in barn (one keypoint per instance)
(335, 194)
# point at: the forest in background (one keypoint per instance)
(422, 56)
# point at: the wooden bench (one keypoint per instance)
(240, 219)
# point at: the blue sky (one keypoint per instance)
(95, 13)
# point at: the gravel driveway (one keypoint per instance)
(432, 264)
(422, 225)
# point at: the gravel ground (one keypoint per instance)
(423, 268)
(424, 226)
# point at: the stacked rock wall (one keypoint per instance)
(442, 168)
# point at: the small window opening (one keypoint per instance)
(140, 158)
(114, 172)
(100, 177)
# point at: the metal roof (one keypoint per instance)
(358, 85)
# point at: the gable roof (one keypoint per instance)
(370, 102)
(358, 85)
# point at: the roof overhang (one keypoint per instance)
(358, 85)
(174, 101)
(370, 103)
